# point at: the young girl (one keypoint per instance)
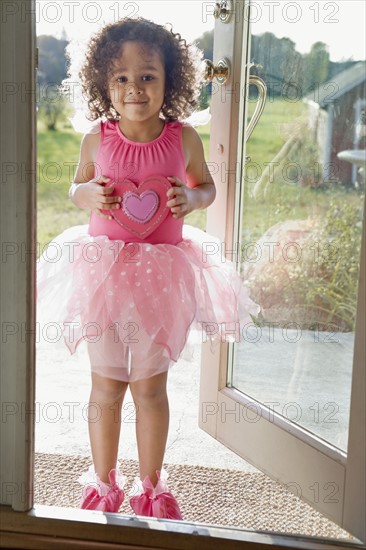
(129, 283)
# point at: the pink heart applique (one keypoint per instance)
(140, 208)
(143, 206)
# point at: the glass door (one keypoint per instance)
(283, 390)
(301, 218)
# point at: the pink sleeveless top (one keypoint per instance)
(122, 159)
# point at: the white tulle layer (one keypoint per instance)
(91, 478)
(135, 303)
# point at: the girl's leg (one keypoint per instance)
(104, 416)
(152, 422)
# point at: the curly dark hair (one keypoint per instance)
(182, 63)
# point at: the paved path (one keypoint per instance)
(62, 394)
(309, 379)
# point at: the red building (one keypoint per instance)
(336, 112)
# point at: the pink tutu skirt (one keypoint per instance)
(135, 304)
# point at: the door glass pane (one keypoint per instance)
(302, 213)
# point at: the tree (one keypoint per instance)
(52, 60)
(53, 108)
(205, 43)
(279, 64)
(316, 66)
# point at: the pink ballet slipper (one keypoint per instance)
(98, 495)
(155, 502)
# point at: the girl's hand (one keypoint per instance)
(94, 196)
(181, 199)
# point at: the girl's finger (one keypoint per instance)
(177, 201)
(176, 192)
(106, 190)
(103, 206)
(179, 212)
(110, 200)
(100, 179)
(173, 179)
(176, 181)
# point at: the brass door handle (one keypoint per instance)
(221, 71)
(262, 91)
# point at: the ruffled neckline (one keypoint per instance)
(140, 143)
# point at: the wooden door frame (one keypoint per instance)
(18, 238)
(22, 524)
(53, 528)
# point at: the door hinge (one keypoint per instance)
(223, 10)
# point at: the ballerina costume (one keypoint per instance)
(134, 286)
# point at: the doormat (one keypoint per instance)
(213, 496)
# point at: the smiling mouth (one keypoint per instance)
(135, 102)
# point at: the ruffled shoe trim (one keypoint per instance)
(155, 501)
(98, 495)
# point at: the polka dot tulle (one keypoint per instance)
(147, 297)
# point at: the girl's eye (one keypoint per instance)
(124, 79)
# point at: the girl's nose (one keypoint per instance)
(132, 88)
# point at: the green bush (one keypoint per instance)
(334, 290)
(317, 287)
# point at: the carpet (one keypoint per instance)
(206, 495)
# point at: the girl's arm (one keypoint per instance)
(87, 191)
(200, 190)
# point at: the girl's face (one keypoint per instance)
(137, 83)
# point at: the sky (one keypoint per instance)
(341, 24)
